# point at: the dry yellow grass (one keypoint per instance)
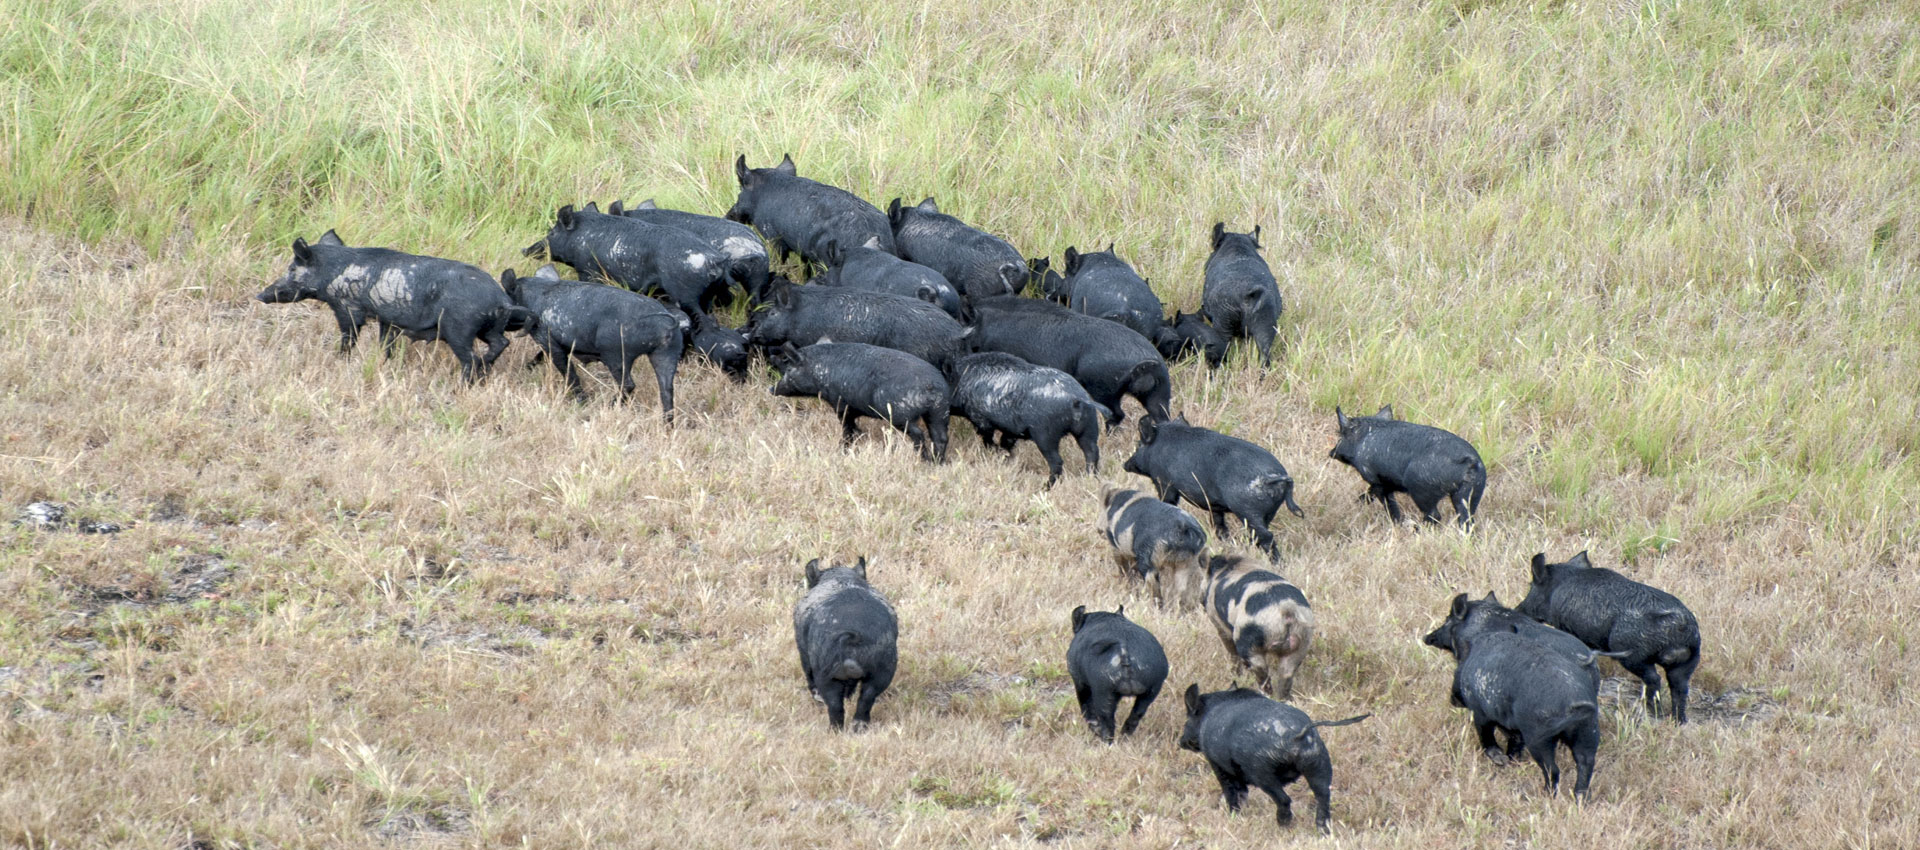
(1654, 260)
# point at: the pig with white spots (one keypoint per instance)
(1003, 395)
(848, 639)
(1262, 618)
(421, 298)
(1111, 657)
(595, 322)
(1156, 542)
(741, 249)
(1250, 740)
(869, 268)
(1108, 360)
(867, 381)
(645, 258)
(801, 216)
(977, 263)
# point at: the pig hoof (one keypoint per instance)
(1496, 756)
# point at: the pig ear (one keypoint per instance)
(1459, 608)
(1256, 236)
(1079, 618)
(331, 238)
(1492, 598)
(1109, 248)
(1386, 412)
(1540, 571)
(786, 166)
(741, 171)
(1340, 417)
(783, 297)
(301, 252)
(592, 207)
(861, 567)
(1194, 703)
(928, 206)
(617, 208)
(508, 280)
(893, 212)
(1122, 610)
(1148, 430)
(1182, 418)
(813, 572)
(565, 217)
(1580, 561)
(1073, 258)
(647, 204)
(833, 255)
(547, 272)
(1219, 232)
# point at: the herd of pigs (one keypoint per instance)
(914, 317)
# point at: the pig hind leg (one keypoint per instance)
(1429, 505)
(1483, 727)
(834, 693)
(937, 431)
(1098, 709)
(1677, 678)
(1231, 787)
(1649, 674)
(870, 690)
(1139, 710)
(1584, 741)
(1273, 780)
(1543, 748)
(1320, 780)
(1049, 445)
(665, 361)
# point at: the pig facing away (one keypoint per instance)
(1187, 334)
(1101, 284)
(1240, 296)
(743, 253)
(801, 216)
(1107, 359)
(594, 322)
(1424, 462)
(1468, 619)
(977, 263)
(848, 638)
(1250, 740)
(1157, 542)
(1218, 473)
(804, 315)
(642, 257)
(1644, 628)
(421, 298)
(1005, 395)
(1111, 657)
(869, 268)
(1262, 618)
(859, 380)
(1528, 689)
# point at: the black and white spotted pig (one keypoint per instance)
(1157, 542)
(1262, 618)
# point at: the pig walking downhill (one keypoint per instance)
(1250, 740)
(421, 298)
(1111, 657)
(1156, 542)
(1262, 618)
(1645, 628)
(848, 639)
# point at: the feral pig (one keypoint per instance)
(740, 248)
(804, 315)
(977, 263)
(1516, 683)
(643, 257)
(592, 322)
(1103, 285)
(869, 268)
(1112, 657)
(1218, 473)
(1240, 296)
(1003, 394)
(1250, 740)
(421, 298)
(801, 216)
(1424, 462)
(1188, 333)
(721, 345)
(857, 380)
(1157, 542)
(1644, 628)
(848, 638)
(1468, 619)
(1263, 619)
(1108, 360)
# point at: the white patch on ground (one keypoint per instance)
(390, 289)
(344, 285)
(740, 247)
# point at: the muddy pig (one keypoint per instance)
(1112, 657)
(801, 216)
(1424, 462)
(1528, 689)
(1103, 285)
(590, 322)
(1005, 395)
(721, 345)
(1158, 542)
(1188, 333)
(1218, 473)
(740, 248)
(977, 263)
(643, 257)
(859, 380)
(848, 638)
(1647, 628)
(804, 315)
(1108, 360)
(1240, 296)
(1250, 740)
(869, 268)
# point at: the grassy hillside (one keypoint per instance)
(1656, 260)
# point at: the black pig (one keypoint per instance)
(1250, 740)
(848, 637)
(745, 254)
(643, 257)
(1158, 542)
(721, 345)
(977, 263)
(1108, 360)
(1240, 296)
(421, 298)
(858, 380)
(1112, 657)
(1218, 473)
(1188, 333)
(800, 215)
(804, 315)
(1646, 628)
(1003, 394)
(869, 268)
(1103, 285)
(589, 322)
(1528, 688)
(1424, 462)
